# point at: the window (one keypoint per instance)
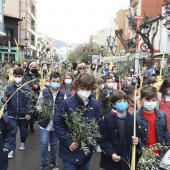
(9, 32)
(22, 34)
(23, 15)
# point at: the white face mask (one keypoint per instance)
(17, 79)
(110, 85)
(102, 86)
(131, 70)
(84, 94)
(68, 81)
(149, 105)
(113, 78)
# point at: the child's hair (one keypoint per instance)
(55, 75)
(152, 80)
(129, 89)
(148, 92)
(164, 86)
(18, 71)
(99, 81)
(117, 95)
(107, 78)
(84, 80)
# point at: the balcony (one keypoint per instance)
(133, 3)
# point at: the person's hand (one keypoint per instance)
(116, 158)
(27, 117)
(135, 140)
(35, 86)
(143, 149)
(108, 96)
(74, 146)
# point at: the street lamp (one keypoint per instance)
(26, 43)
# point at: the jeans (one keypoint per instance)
(21, 123)
(71, 166)
(45, 138)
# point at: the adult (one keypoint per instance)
(31, 73)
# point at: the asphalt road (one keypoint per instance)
(29, 159)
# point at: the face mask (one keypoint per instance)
(121, 107)
(115, 71)
(55, 85)
(84, 94)
(56, 66)
(110, 85)
(47, 84)
(149, 105)
(131, 70)
(102, 86)
(106, 67)
(34, 70)
(44, 68)
(113, 78)
(68, 81)
(17, 79)
(134, 81)
(93, 66)
(137, 98)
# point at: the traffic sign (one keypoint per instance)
(144, 47)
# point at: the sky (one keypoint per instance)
(73, 21)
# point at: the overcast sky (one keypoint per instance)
(73, 21)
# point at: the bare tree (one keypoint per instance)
(145, 35)
(111, 43)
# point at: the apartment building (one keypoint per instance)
(28, 27)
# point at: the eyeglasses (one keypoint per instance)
(82, 68)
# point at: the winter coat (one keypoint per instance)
(6, 136)
(161, 127)
(69, 105)
(110, 142)
(21, 102)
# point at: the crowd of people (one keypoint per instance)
(113, 97)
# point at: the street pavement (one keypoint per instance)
(29, 159)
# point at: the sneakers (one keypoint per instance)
(22, 146)
(11, 154)
(54, 166)
(44, 167)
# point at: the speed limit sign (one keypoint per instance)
(144, 47)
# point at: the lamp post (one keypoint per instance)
(26, 43)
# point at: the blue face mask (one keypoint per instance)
(134, 81)
(55, 85)
(121, 107)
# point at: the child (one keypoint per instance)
(130, 91)
(152, 122)
(6, 137)
(69, 150)
(105, 95)
(49, 98)
(117, 132)
(19, 108)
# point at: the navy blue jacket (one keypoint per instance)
(161, 127)
(21, 103)
(48, 104)
(76, 157)
(110, 142)
(6, 136)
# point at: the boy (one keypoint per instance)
(49, 99)
(117, 132)
(69, 150)
(6, 137)
(19, 108)
(104, 96)
(152, 122)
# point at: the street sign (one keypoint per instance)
(144, 47)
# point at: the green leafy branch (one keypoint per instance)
(85, 131)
